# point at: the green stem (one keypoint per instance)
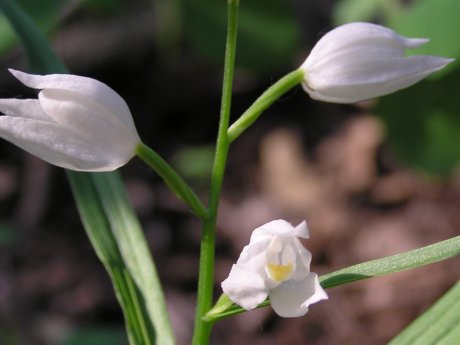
(273, 93)
(206, 275)
(171, 178)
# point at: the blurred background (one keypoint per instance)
(371, 179)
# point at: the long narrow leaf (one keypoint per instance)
(395, 263)
(103, 241)
(41, 57)
(102, 203)
(390, 264)
(438, 325)
(133, 247)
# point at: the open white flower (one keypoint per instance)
(275, 264)
(358, 61)
(76, 123)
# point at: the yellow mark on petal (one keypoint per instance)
(279, 273)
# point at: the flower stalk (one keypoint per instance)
(202, 329)
(171, 178)
(265, 100)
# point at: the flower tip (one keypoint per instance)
(439, 63)
(412, 43)
(301, 230)
(19, 75)
(15, 72)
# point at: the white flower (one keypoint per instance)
(275, 264)
(76, 123)
(358, 61)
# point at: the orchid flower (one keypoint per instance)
(358, 61)
(277, 265)
(76, 123)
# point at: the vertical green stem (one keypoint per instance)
(206, 275)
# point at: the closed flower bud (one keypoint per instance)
(358, 61)
(76, 123)
(275, 264)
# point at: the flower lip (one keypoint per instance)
(358, 61)
(272, 263)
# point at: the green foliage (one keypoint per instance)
(436, 20)
(7, 234)
(102, 6)
(439, 325)
(422, 122)
(98, 216)
(45, 14)
(97, 336)
(109, 220)
(347, 11)
(195, 163)
(8, 336)
(424, 126)
(268, 35)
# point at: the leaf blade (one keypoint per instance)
(391, 264)
(97, 216)
(440, 324)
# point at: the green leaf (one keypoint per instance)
(98, 228)
(102, 6)
(347, 11)
(40, 56)
(379, 267)
(223, 304)
(423, 126)
(395, 263)
(195, 163)
(436, 20)
(109, 220)
(131, 242)
(422, 121)
(96, 336)
(8, 235)
(438, 325)
(268, 35)
(44, 12)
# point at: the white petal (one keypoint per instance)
(368, 79)
(253, 249)
(292, 298)
(57, 145)
(359, 40)
(27, 108)
(358, 61)
(303, 260)
(244, 287)
(87, 87)
(301, 230)
(277, 227)
(288, 256)
(91, 120)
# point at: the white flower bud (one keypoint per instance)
(275, 264)
(76, 123)
(358, 61)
